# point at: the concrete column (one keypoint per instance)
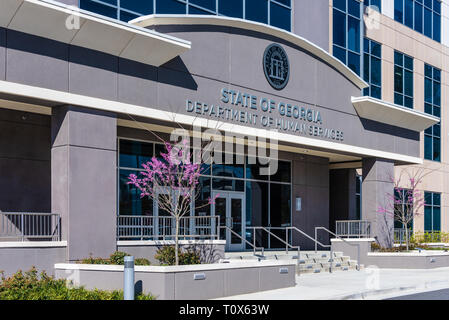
(376, 187)
(84, 179)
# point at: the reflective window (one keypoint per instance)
(256, 10)
(432, 212)
(372, 68)
(133, 153)
(402, 207)
(432, 105)
(403, 80)
(347, 33)
(268, 197)
(421, 16)
(273, 12)
(130, 202)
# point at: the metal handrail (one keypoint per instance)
(30, 226)
(340, 238)
(353, 228)
(287, 245)
(309, 237)
(163, 227)
(262, 249)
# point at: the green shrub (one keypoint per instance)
(31, 286)
(431, 237)
(117, 258)
(142, 262)
(166, 256)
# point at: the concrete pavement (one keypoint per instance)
(369, 283)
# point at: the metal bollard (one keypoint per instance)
(128, 281)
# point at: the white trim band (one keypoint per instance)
(185, 268)
(68, 24)
(61, 97)
(36, 244)
(393, 114)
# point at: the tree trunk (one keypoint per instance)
(406, 237)
(177, 241)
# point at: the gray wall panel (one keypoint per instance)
(305, 12)
(24, 162)
(200, 74)
(44, 259)
(93, 73)
(215, 64)
(36, 61)
(137, 83)
(84, 180)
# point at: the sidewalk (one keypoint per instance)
(365, 284)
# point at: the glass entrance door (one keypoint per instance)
(229, 206)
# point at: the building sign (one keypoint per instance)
(276, 66)
(248, 109)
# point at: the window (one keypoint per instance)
(273, 12)
(423, 16)
(402, 207)
(132, 154)
(432, 212)
(346, 33)
(432, 105)
(403, 80)
(372, 68)
(268, 198)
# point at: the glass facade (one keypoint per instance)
(432, 212)
(267, 198)
(347, 33)
(423, 16)
(403, 80)
(372, 68)
(276, 13)
(432, 105)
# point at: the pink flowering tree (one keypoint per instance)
(171, 182)
(406, 201)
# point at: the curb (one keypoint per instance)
(434, 285)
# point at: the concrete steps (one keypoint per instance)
(310, 261)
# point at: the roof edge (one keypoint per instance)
(169, 19)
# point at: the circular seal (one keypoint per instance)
(276, 66)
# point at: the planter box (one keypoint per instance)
(210, 251)
(196, 282)
(408, 260)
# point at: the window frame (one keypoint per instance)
(346, 49)
(367, 52)
(422, 4)
(430, 132)
(404, 69)
(191, 6)
(432, 207)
